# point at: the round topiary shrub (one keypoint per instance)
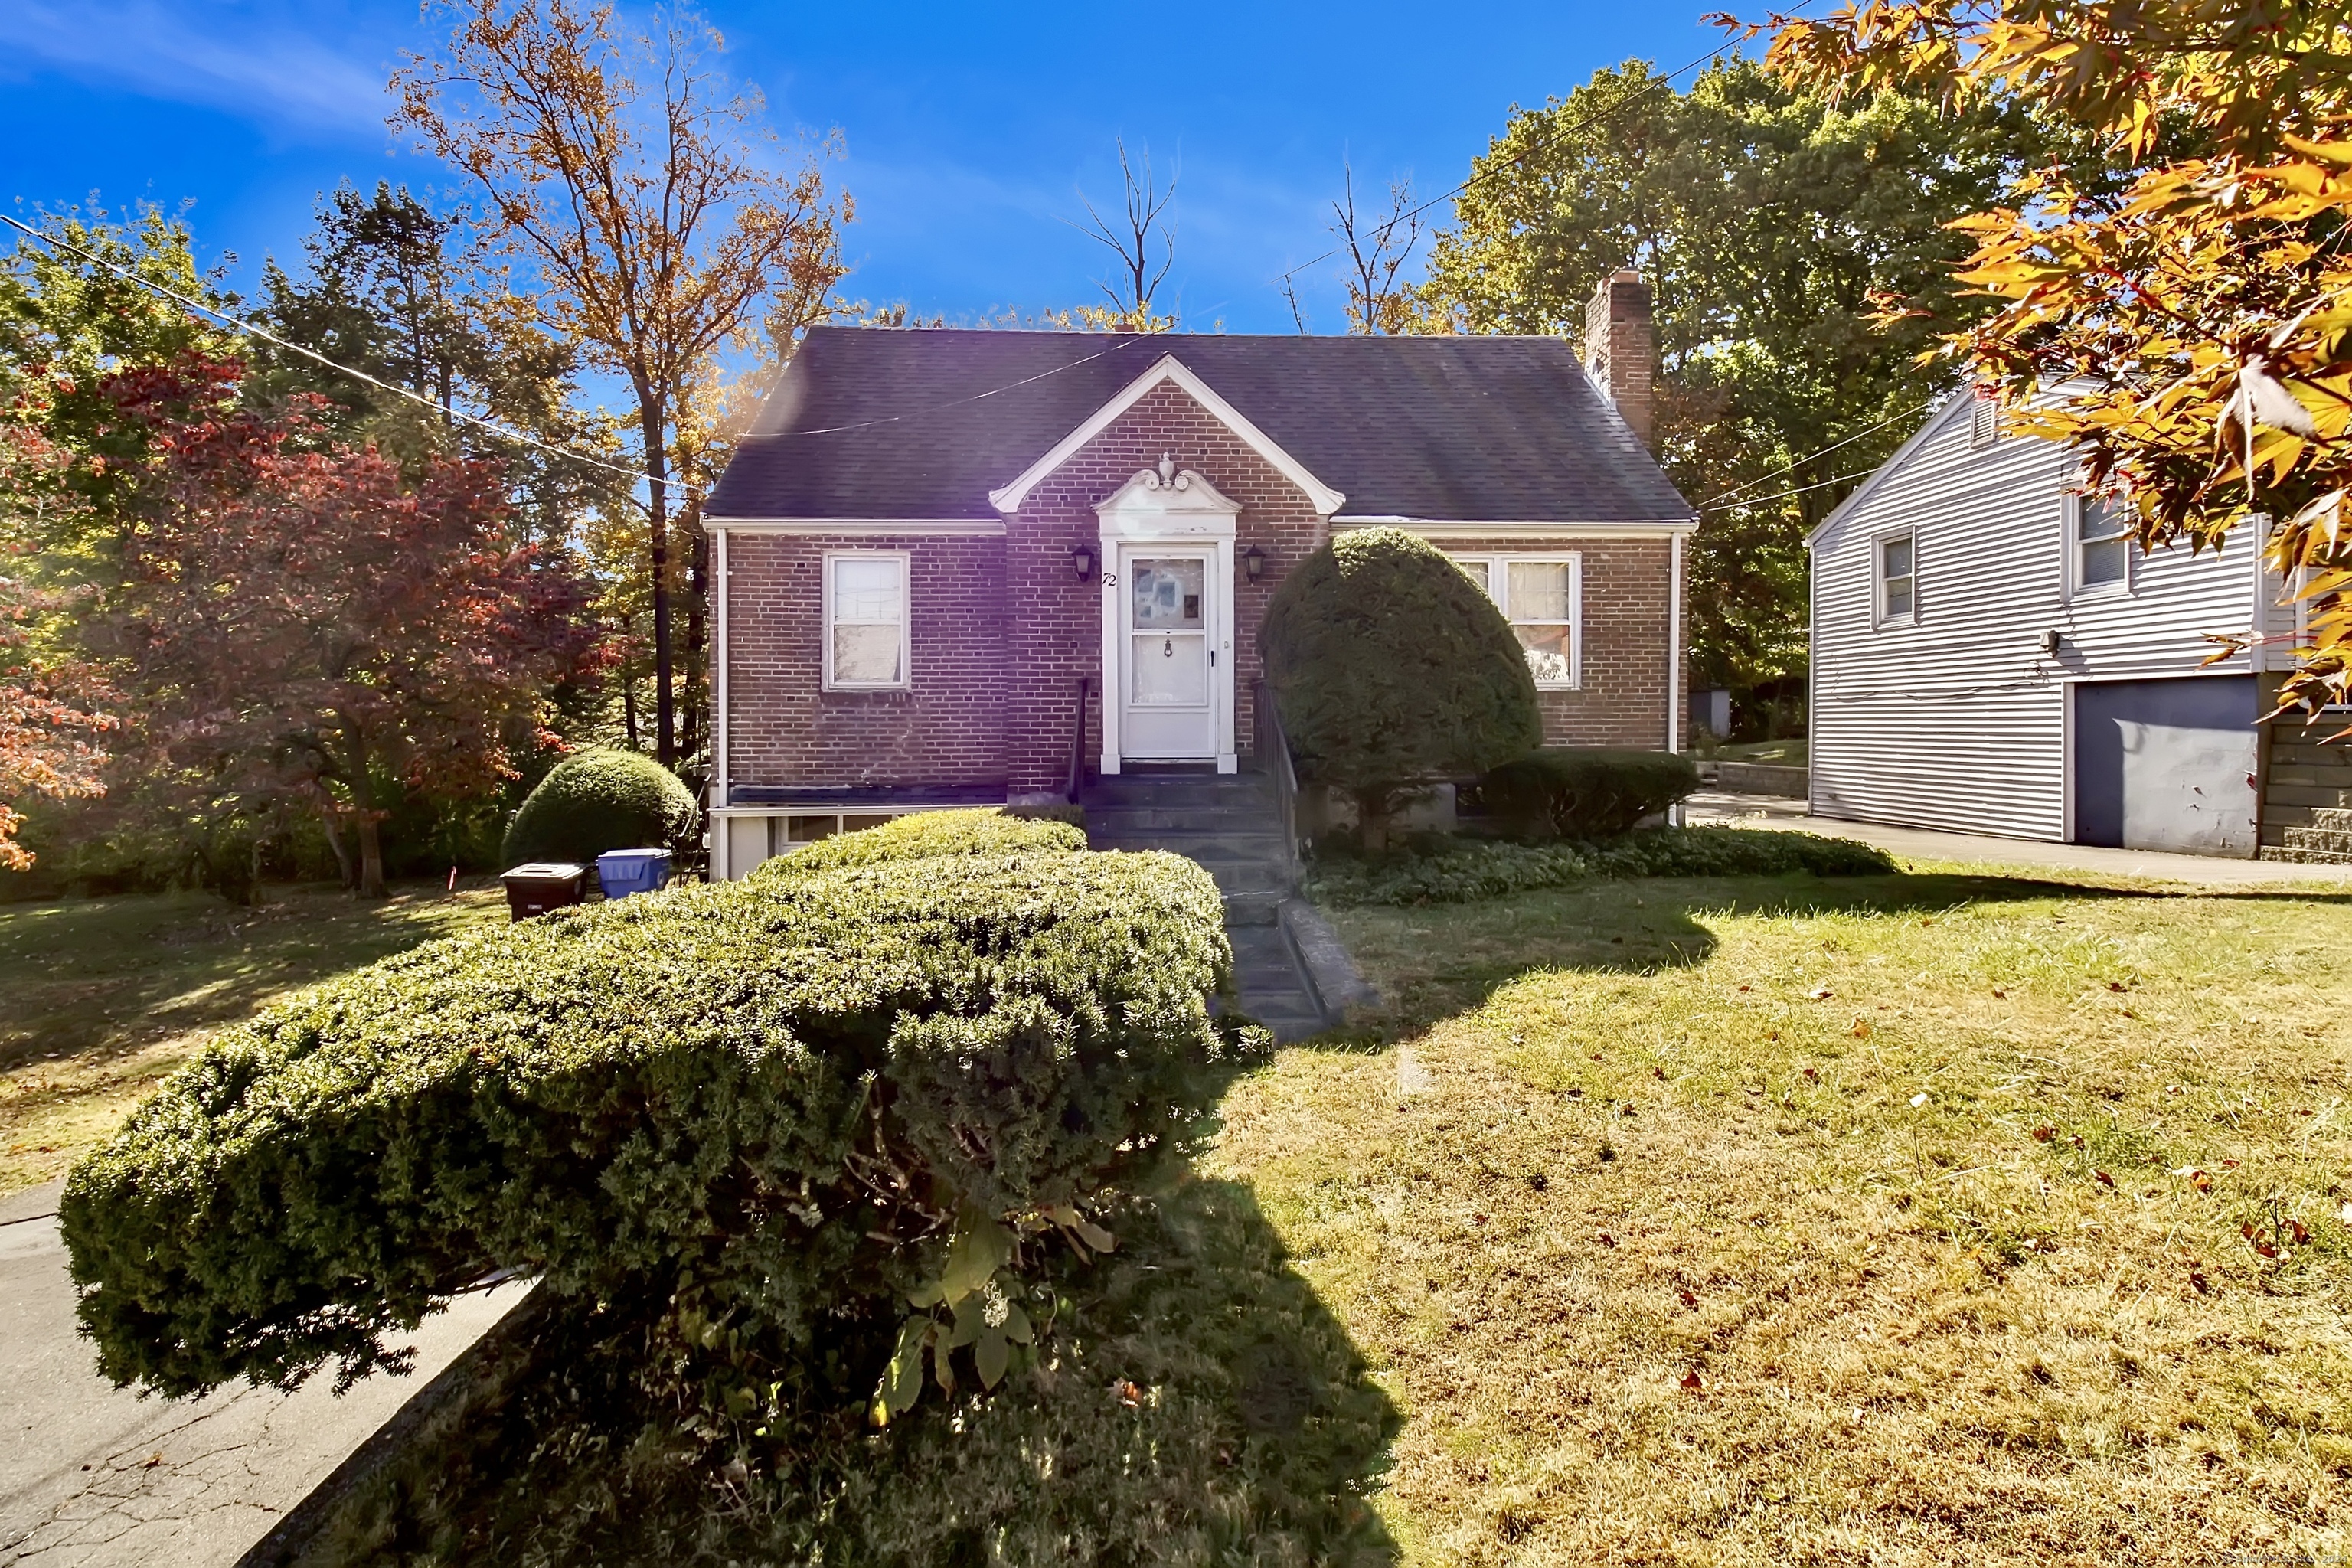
(595, 801)
(1392, 669)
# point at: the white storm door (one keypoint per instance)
(1168, 619)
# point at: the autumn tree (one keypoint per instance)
(303, 620)
(51, 725)
(1375, 248)
(635, 183)
(2203, 312)
(1798, 255)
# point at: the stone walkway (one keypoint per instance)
(1974, 849)
(96, 1477)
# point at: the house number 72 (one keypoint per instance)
(1110, 579)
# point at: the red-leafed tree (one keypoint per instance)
(48, 717)
(309, 620)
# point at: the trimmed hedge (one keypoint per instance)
(1392, 669)
(1464, 870)
(598, 800)
(1587, 792)
(742, 1121)
(927, 834)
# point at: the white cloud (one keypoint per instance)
(212, 55)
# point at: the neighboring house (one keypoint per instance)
(1991, 653)
(959, 567)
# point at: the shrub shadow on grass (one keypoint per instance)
(1197, 1403)
(1634, 926)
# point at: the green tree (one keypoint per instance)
(1800, 261)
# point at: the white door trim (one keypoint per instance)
(1171, 511)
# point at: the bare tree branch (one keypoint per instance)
(1377, 251)
(1143, 223)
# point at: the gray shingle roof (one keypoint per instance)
(887, 422)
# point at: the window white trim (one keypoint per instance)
(905, 621)
(1495, 566)
(1879, 617)
(2076, 588)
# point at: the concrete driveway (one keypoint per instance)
(92, 1475)
(1974, 849)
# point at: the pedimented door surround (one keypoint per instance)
(1181, 513)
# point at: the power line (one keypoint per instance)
(1789, 468)
(1784, 495)
(242, 325)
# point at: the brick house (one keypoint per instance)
(951, 567)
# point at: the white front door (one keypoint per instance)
(1169, 613)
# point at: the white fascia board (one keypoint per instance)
(863, 527)
(1430, 528)
(1325, 500)
(1961, 399)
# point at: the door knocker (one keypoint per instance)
(1168, 648)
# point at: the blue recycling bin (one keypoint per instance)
(624, 871)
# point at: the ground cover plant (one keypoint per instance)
(106, 997)
(1917, 1219)
(1437, 869)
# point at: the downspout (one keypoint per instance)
(1675, 656)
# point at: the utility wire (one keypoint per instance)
(1784, 495)
(492, 425)
(242, 325)
(1792, 465)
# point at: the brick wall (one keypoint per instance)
(1004, 631)
(784, 729)
(1055, 621)
(1623, 698)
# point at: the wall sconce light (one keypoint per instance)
(1082, 561)
(2050, 643)
(1253, 563)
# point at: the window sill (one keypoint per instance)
(837, 690)
(1896, 624)
(2101, 590)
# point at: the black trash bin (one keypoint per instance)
(542, 886)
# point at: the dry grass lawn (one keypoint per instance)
(105, 996)
(1911, 1220)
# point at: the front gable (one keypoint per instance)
(1169, 370)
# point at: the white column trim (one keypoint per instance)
(718, 782)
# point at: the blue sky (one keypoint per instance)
(970, 131)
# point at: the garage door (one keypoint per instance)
(2166, 764)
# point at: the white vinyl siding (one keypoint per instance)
(1959, 722)
(867, 644)
(1543, 598)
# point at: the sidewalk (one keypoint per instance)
(1976, 849)
(94, 1476)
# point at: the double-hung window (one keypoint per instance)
(865, 621)
(1542, 597)
(2100, 545)
(1896, 570)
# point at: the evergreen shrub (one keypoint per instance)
(598, 800)
(1392, 669)
(1435, 871)
(739, 1127)
(1586, 792)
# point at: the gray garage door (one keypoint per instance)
(2166, 764)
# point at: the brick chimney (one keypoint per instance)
(1620, 348)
